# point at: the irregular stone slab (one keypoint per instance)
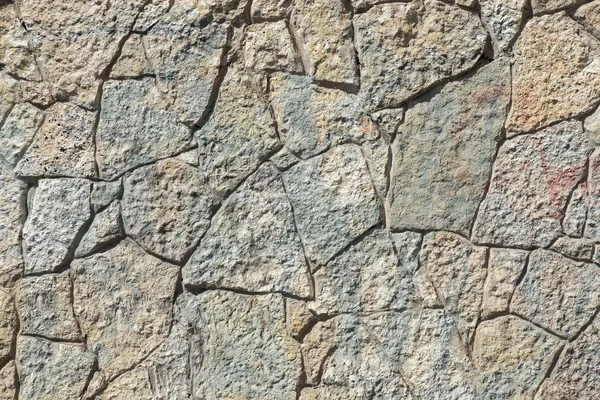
(60, 210)
(532, 180)
(408, 245)
(18, 131)
(268, 10)
(592, 214)
(457, 269)
(15, 55)
(252, 243)
(189, 157)
(459, 128)
(390, 40)
(513, 357)
(13, 193)
(8, 324)
(123, 299)
(240, 133)
(577, 209)
(105, 229)
(577, 373)
(579, 249)
(45, 309)
(167, 208)
(52, 370)
(298, 318)
(104, 193)
(435, 364)
(135, 128)
(9, 94)
(8, 388)
(367, 277)
(132, 62)
(502, 18)
(311, 118)
(269, 47)
(592, 125)
(325, 32)
(556, 73)
(557, 293)
(545, 6)
(62, 146)
(333, 199)
(185, 50)
(505, 267)
(247, 352)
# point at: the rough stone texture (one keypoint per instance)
(503, 20)
(104, 193)
(557, 293)
(8, 375)
(592, 200)
(556, 73)
(8, 324)
(18, 131)
(262, 10)
(589, 15)
(531, 183)
(12, 214)
(104, 230)
(579, 249)
(577, 210)
(459, 128)
(298, 318)
(269, 47)
(132, 62)
(544, 6)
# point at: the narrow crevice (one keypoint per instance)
(581, 181)
(93, 371)
(153, 254)
(80, 332)
(341, 86)
(585, 326)
(298, 44)
(519, 279)
(368, 159)
(471, 343)
(199, 289)
(366, 8)
(551, 368)
(52, 339)
(548, 331)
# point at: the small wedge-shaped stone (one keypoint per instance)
(135, 128)
(391, 39)
(503, 20)
(252, 243)
(51, 370)
(167, 207)
(240, 133)
(577, 209)
(325, 31)
(13, 193)
(62, 146)
(247, 351)
(531, 183)
(9, 94)
(105, 229)
(579, 249)
(267, 10)
(333, 199)
(457, 269)
(60, 209)
(45, 309)
(311, 118)
(556, 73)
(298, 318)
(367, 277)
(123, 300)
(269, 47)
(558, 293)
(8, 324)
(444, 151)
(104, 193)
(8, 387)
(545, 6)
(132, 62)
(513, 357)
(18, 131)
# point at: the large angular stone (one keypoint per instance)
(503, 20)
(252, 243)
(269, 47)
(240, 133)
(532, 180)
(45, 309)
(391, 38)
(367, 277)
(167, 208)
(135, 128)
(60, 210)
(247, 352)
(8, 387)
(123, 300)
(325, 32)
(513, 357)
(104, 230)
(333, 199)
(8, 324)
(311, 118)
(444, 151)
(50, 370)
(556, 74)
(457, 270)
(62, 146)
(13, 193)
(18, 131)
(558, 293)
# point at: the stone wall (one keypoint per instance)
(299, 199)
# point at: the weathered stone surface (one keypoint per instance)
(135, 127)
(266, 10)
(545, 6)
(9, 94)
(505, 267)
(13, 195)
(325, 32)
(60, 210)
(503, 20)
(579, 249)
(62, 146)
(105, 229)
(367, 277)
(132, 62)
(556, 73)
(45, 309)
(390, 40)
(378, 156)
(51, 370)
(311, 118)
(104, 193)
(18, 130)
(284, 159)
(589, 14)
(247, 352)
(333, 199)
(8, 324)
(122, 299)
(167, 208)
(15, 55)
(457, 270)
(557, 293)
(252, 243)
(444, 152)
(513, 357)
(240, 133)
(592, 214)
(298, 318)
(8, 375)
(269, 47)
(533, 177)
(388, 121)
(577, 210)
